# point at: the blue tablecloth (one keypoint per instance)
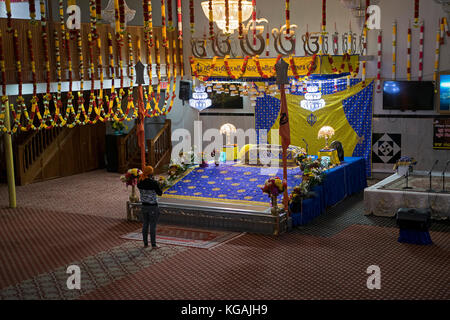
(340, 182)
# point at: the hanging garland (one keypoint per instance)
(210, 72)
(34, 99)
(169, 15)
(8, 15)
(93, 11)
(81, 110)
(4, 97)
(20, 100)
(394, 50)
(379, 62)
(324, 16)
(57, 98)
(241, 25)
(180, 21)
(48, 97)
(288, 19)
(122, 18)
(211, 20)
(227, 17)
(421, 52)
(254, 21)
(32, 9)
(408, 55)
(243, 68)
(260, 71)
(130, 104)
(191, 16)
(416, 13)
(98, 7)
(436, 56)
(312, 66)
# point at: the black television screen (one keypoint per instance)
(408, 95)
(226, 101)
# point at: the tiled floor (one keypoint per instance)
(79, 220)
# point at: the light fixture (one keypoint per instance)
(326, 132)
(200, 99)
(358, 9)
(445, 6)
(313, 99)
(218, 8)
(108, 14)
(228, 129)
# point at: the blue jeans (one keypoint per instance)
(150, 215)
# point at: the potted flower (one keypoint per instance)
(203, 163)
(119, 127)
(216, 155)
(131, 179)
(274, 187)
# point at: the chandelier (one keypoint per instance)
(358, 8)
(218, 8)
(200, 99)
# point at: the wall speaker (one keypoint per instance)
(185, 92)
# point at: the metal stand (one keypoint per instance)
(443, 176)
(407, 176)
(430, 189)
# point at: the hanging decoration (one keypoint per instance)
(240, 22)
(324, 16)
(267, 44)
(169, 16)
(32, 9)
(227, 17)
(254, 21)
(416, 13)
(180, 21)
(420, 74)
(34, 99)
(211, 20)
(408, 55)
(394, 49)
(436, 55)
(192, 16)
(4, 96)
(379, 62)
(8, 15)
(200, 99)
(288, 19)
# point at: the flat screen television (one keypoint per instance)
(225, 101)
(408, 95)
(444, 92)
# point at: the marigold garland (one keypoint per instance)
(32, 10)
(192, 16)
(288, 19)
(242, 71)
(254, 21)
(227, 17)
(4, 96)
(241, 25)
(169, 16)
(180, 21)
(260, 71)
(211, 19)
(8, 15)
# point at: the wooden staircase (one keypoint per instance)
(158, 151)
(59, 152)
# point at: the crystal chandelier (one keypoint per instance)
(218, 8)
(358, 8)
(200, 99)
(445, 6)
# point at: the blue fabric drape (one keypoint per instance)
(340, 182)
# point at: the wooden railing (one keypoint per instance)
(127, 150)
(30, 152)
(160, 147)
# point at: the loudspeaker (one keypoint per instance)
(185, 92)
(413, 219)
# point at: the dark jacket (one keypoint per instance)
(149, 188)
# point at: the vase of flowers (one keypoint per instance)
(118, 127)
(274, 187)
(131, 179)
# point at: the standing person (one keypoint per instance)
(149, 189)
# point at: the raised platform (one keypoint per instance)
(229, 197)
(386, 197)
(216, 215)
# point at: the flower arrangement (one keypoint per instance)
(203, 163)
(404, 165)
(119, 126)
(274, 186)
(163, 182)
(131, 177)
(300, 156)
